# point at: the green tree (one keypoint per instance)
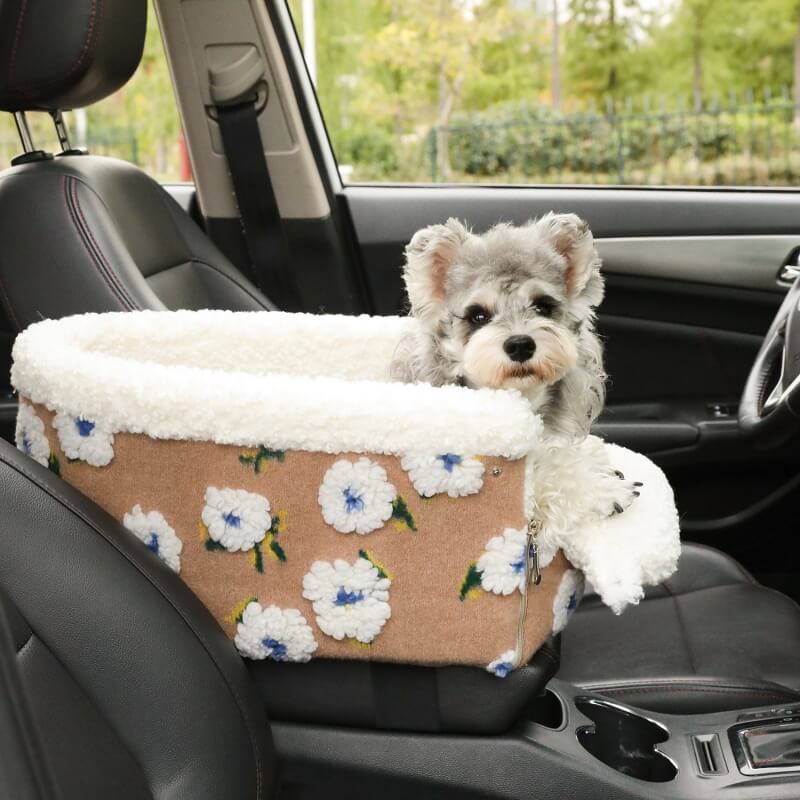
(601, 40)
(709, 48)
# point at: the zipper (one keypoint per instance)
(532, 562)
(532, 575)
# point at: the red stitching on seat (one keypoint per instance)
(70, 193)
(17, 33)
(110, 271)
(88, 47)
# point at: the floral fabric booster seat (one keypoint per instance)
(318, 509)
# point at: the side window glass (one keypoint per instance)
(621, 92)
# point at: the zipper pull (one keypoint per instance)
(534, 526)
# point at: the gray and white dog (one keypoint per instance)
(514, 308)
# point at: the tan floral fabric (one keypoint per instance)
(428, 547)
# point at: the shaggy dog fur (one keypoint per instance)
(514, 308)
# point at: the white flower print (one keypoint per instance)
(500, 667)
(237, 519)
(84, 439)
(447, 472)
(30, 436)
(279, 634)
(568, 596)
(502, 565)
(157, 534)
(356, 496)
(349, 600)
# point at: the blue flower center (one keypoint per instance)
(518, 566)
(573, 602)
(352, 501)
(232, 519)
(152, 543)
(502, 669)
(449, 460)
(84, 427)
(345, 598)
(26, 444)
(277, 649)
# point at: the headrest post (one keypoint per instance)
(24, 131)
(61, 130)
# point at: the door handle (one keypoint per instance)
(790, 271)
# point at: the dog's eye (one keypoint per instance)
(544, 306)
(477, 316)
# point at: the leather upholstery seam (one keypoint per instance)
(593, 602)
(193, 259)
(15, 45)
(21, 650)
(684, 633)
(170, 210)
(90, 245)
(774, 693)
(8, 307)
(744, 575)
(68, 202)
(549, 655)
(109, 270)
(243, 708)
(86, 49)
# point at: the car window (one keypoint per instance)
(639, 92)
(139, 123)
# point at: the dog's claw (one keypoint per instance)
(638, 483)
(619, 474)
(636, 494)
(618, 508)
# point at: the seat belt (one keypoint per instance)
(237, 116)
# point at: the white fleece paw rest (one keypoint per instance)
(620, 555)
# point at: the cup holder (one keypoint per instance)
(624, 741)
(548, 710)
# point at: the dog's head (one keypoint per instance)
(506, 307)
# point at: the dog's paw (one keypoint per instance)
(616, 493)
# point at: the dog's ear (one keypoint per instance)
(570, 237)
(429, 256)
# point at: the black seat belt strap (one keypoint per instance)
(258, 208)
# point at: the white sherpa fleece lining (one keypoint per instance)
(289, 381)
(620, 555)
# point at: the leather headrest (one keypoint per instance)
(62, 54)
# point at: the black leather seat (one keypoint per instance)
(709, 639)
(135, 691)
(80, 232)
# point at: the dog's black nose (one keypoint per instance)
(519, 348)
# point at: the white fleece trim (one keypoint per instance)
(289, 381)
(620, 555)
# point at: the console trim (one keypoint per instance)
(740, 751)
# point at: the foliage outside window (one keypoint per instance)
(665, 92)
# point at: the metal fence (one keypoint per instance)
(738, 143)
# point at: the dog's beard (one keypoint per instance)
(485, 364)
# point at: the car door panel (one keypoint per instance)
(691, 288)
(728, 261)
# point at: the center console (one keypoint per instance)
(739, 754)
(571, 743)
